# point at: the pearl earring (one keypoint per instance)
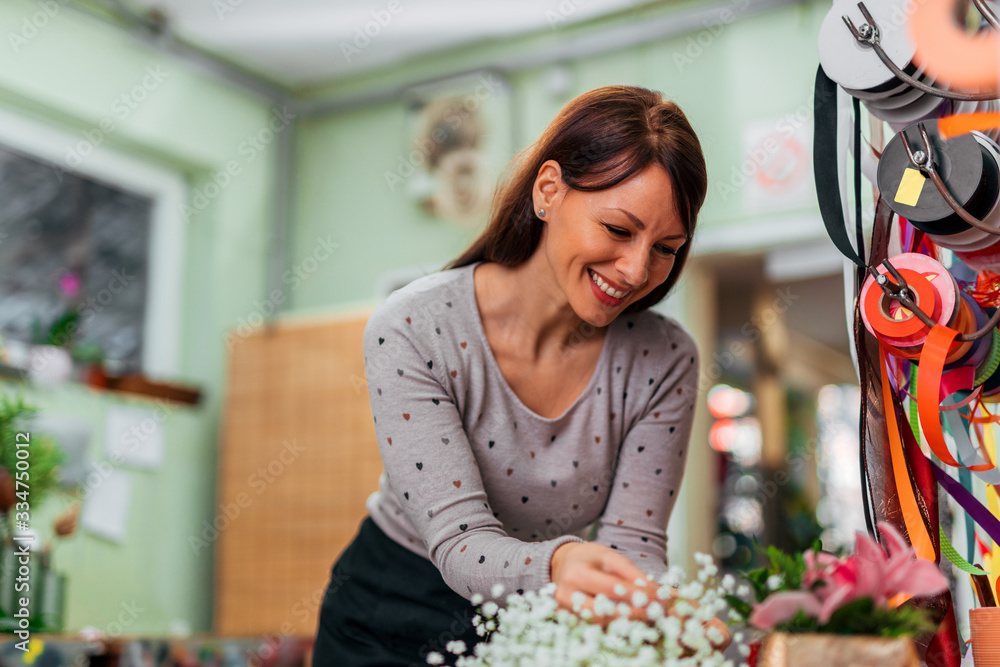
(541, 213)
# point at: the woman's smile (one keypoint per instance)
(604, 292)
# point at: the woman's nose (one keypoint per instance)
(633, 266)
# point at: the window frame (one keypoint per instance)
(163, 321)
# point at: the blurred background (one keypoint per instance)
(201, 202)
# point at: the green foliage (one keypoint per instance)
(62, 330)
(44, 458)
(857, 617)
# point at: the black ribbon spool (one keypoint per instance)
(967, 169)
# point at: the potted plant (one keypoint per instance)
(55, 348)
(43, 477)
(821, 609)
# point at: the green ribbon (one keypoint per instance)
(956, 558)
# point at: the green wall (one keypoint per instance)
(71, 71)
(753, 69)
(67, 76)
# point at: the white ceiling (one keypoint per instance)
(300, 42)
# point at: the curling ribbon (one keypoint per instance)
(951, 553)
(912, 519)
(928, 387)
(982, 516)
(928, 383)
(967, 453)
(951, 126)
(994, 504)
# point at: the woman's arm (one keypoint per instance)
(429, 461)
(650, 464)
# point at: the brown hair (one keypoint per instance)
(599, 139)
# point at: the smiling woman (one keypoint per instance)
(526, 394)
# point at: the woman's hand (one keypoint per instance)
(590, 569)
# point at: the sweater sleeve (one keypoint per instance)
(650, 463)
(430, 463)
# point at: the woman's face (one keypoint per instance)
(609, 248)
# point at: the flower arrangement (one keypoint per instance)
(533, 631)
(860, 594)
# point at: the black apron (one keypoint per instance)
(387, 606)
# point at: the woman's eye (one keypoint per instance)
(617, 231)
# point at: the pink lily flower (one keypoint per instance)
(782, 607)
(870, 572)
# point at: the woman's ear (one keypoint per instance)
(548, 187)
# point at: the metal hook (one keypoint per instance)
(870, 35)
(901, 292)
(924, 161)
(987, 13)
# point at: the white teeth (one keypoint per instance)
(607, 289)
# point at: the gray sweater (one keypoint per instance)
(485, 488)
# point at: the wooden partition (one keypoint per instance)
(297, 460)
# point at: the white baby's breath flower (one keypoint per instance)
(743, 591)
(490, 609)
(620, 589)
(577, 599)
(476, 599)
(744, 650)
(456, 647)
(774, 581)
(640, 582)
(435, 658)
(728, 582)
(702, 558)
(497, 590)
(534, 631)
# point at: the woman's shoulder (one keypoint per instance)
(420, 305)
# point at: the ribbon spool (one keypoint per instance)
(976, 245)
(967, 168)
(933, 290)
(859, 70)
